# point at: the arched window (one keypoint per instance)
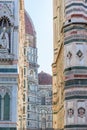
(42, 100)
(6, 107)
(0, 106)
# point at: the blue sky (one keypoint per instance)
(41, 13)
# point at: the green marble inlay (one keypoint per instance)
(75, 82)
(75, 4)
(75, 97)
(8, 70)
(75, 40)
(8, 128)
(75, 67)
(74, 28)
(75, 126)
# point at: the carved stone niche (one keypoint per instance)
(5, 35)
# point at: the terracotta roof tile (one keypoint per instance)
(44, 78)
(29, 27)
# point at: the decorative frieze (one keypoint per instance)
(69, 55)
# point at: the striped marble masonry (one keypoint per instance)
(75, 66)
(75, 33)
(75, 11)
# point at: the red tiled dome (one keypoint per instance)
(29, 27)
(44, 78)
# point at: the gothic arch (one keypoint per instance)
(43, 110)
(5, 20)
(4, 90)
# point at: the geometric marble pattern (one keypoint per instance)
(69, 55)
(79, 54)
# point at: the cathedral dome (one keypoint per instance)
(29, 27)
(44, 78)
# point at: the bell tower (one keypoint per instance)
(11, 64)
(70, 64)
(75, 70)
